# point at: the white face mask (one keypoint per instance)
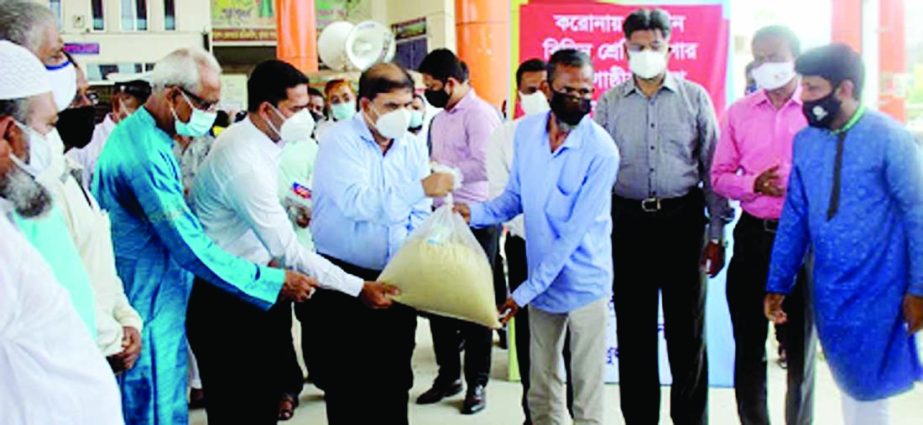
(42, 149)
(394, 124)
(534, 103)
(296, 128)
(647, 63)
(63, 80)
(772, 75)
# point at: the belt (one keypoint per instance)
(769, 226)
(655, 205)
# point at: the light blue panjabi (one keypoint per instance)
(158, 242)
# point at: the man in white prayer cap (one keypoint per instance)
(50, 368)
(33, 26)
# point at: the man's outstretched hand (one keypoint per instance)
(464, 210)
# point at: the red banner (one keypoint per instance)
(699, 41)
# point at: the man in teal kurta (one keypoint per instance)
(158, 241)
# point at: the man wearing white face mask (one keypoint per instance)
(752, 163)
(666, 130)
(371, 190)
(235, 198)
(159, 242)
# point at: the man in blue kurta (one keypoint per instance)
(158, 241)
(856, 196)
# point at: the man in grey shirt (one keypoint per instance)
(666, 129)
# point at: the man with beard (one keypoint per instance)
(29, 113)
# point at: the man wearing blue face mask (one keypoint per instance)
(666, 129)
(235, 197)
(159, 243)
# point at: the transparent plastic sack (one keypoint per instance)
(442, 269)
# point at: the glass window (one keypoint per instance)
(169, 18)
(55, 6)
(99, 23)
(134, 15)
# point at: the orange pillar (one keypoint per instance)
(893, 59)
(847, 23)
(296, 33)
(482, 28)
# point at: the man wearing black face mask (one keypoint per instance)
(561, 179)
(856, 196)
(459, 138)
(666, 130)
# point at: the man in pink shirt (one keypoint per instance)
(751, 164)
(459, 137)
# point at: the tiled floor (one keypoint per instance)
(503, 398)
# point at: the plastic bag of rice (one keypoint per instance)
(442, 269)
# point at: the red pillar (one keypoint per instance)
(482, 28)
(296, 33)
(847, 23)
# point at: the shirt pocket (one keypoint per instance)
(560, 205)
(677, 138)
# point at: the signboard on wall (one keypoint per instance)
(243, 21)
(699, 41)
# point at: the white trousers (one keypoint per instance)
(857, 412)
(587, 326)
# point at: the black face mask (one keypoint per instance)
(569, 109)
(437, 98)
(317, 117)
(821, 112)
(76, 126)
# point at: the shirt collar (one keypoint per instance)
(465, 102)
(574, 139)
(145, 117)
(762, 97)
(670, 82)
(261, 137)
(365, 133)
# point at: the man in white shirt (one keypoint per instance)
(236, 198)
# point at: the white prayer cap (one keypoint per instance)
(22, 75)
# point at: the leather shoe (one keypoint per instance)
(475, 400)
(440, 391)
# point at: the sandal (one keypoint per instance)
(287, 406)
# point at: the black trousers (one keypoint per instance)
(658, 253)
(450, 335)
(292, 377)
(360, 357)
(238, 348)
(746, 289)
(518, 270)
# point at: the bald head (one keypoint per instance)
(33, 26)
(384, 78)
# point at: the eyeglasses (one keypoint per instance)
(85, 98)
(198, 102)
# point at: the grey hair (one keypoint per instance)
(25, 22)
(16, 108)
(182, 68)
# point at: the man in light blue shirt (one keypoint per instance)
(372, 186)
(561, 178)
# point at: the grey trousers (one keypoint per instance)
(547, 393)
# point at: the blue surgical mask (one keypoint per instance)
(200, 122)
(343, 111)
(416, 119)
